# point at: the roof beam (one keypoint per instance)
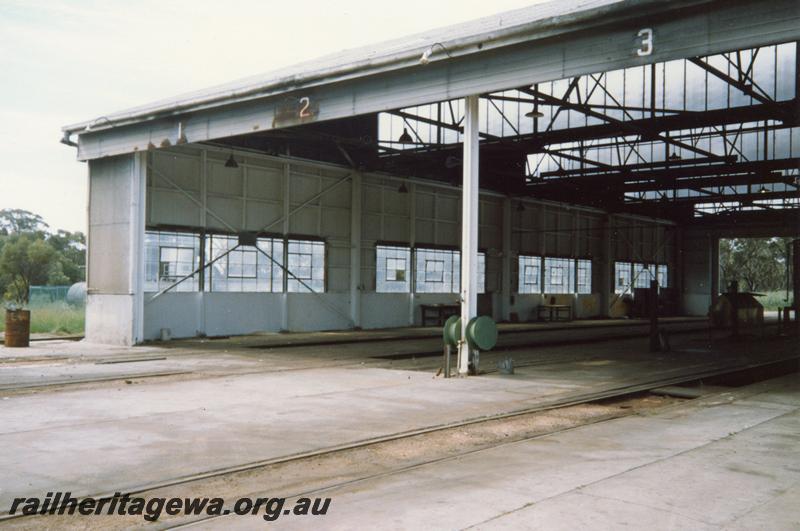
(721, 198)
(705, 182)
(588, 172)
(741, 85)
(585, 44)
(643, 129)
(669, 175)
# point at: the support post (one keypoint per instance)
(412, 242)
(653, 310)
(714, 273)
(287, 201)
(506, 279)
(606, 267)
(355, 251)
(796, 283)
(136, 249)
(469, 229)
(734, 295)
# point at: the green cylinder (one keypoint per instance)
(482, 333)
(451, 333)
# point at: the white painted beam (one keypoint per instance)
(594, 45)
(136, 244)
(469, 228)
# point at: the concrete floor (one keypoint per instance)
(724, 462)
(94, 420)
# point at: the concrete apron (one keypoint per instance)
(727, 461)
(120, 437)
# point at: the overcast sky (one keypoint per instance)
(68, 61)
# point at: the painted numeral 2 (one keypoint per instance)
(305, 103)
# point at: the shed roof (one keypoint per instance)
(533, 22)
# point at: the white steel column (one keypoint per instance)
(287, 197)
(412, 242)
(469, 228)
(202, 326)
(136, 244)
(355, 250)
(506, 280)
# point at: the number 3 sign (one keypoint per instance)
(646, 44)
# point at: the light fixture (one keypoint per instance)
(181, 135)
(231, 162)
(405, 138)
(402, 189)
(674, 156)
(426, 55)
(535, 113)
(763, 190)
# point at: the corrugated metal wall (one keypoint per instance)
(254, 196)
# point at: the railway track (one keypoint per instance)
(429, 348)
(730, 370)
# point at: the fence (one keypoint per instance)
(48, 294)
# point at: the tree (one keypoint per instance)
(18, 221)
(71, 253)
(25, 260)
(757, 264)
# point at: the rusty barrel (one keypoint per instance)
(18, 328)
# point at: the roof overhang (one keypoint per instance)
(536, 44)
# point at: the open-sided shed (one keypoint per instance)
(613, 143)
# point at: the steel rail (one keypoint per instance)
(573, 400)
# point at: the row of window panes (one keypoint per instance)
(559, 275)
(629, 275)
(436, 270)
(170, 256)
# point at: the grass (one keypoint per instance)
(57, 318)
(773, 300)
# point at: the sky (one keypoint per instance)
(68, 61)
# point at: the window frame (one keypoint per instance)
(384, 252)
(588, 271)
(293, 280)
(242, 252)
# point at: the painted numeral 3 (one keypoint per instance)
(646, 48)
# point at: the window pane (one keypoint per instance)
(584, 276)
(436, 271)
(663, 276)
(559, 275)
(245, 269)
(530, 279)
(643, 274)
(481, 272)
(307, 266)
(170, 256)
(622, 277)
(392, 269)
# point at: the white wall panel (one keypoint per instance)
(171, 207)
(262, 213)
(254, 194)
(222, 180)
(264, 183)
(227, 210)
